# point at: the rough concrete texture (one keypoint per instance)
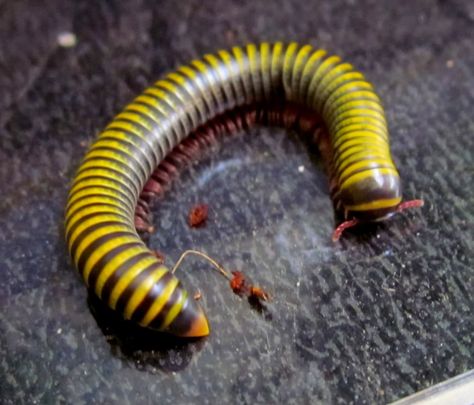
(382, 314)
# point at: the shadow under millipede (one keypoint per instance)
(143, 348)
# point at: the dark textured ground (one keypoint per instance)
(378, 316)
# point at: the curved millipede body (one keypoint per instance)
(103, 242)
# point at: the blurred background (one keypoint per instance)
(380, 315)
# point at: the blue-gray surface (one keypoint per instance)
(382, 314)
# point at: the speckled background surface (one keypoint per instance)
(382, 314)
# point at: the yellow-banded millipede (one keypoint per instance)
(100, 230)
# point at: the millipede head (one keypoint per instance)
(374, 197)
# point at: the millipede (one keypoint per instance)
(289, 85)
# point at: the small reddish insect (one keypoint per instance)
(243, 287)
(198, 215)
(238, 283)
(259, 293)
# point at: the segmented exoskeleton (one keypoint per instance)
(100, 227)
